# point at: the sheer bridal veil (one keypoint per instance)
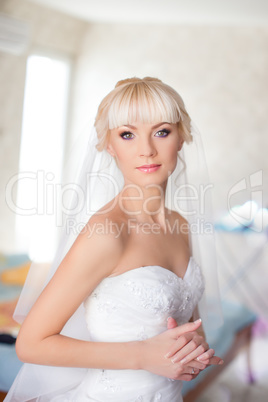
(99, 180)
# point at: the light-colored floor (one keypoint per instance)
(232, 385)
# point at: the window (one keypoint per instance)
(41, 154)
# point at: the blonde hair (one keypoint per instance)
(146, 100)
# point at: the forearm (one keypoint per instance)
(59, 350)
(150, 354)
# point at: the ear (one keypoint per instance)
(110, 150)
(181, 142)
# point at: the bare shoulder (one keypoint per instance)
(101, 242)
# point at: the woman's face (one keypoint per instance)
(145, 153)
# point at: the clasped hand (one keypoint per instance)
(184, 352)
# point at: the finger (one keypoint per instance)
(171, 323)
(190, 352)
(189, 374)
(197, 365)
(188, 327)
(191, 370)
(206, 355)
(215, 360)
(187, 377)
(179, 344)
(181, 333)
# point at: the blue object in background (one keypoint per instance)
(10, 292)
(236, 317)
(9, 363)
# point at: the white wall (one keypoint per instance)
(221, 72)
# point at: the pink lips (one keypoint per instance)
(149, 168)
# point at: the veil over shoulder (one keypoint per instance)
(98, 182)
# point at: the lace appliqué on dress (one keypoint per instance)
(157, 299)
(151, 298)
(104, 304)
(197, 282)
(142, 335)
(109, 384)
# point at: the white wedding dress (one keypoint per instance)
(135, 305)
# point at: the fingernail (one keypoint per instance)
(183, 360)
(167, 355)
(197, 321)
(168, 318)
(173, 360)
(200, 358)
(221, 361)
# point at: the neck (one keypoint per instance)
(145, 204)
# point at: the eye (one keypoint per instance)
(162, 133)
(126, 135)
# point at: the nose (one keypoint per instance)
(147, 148)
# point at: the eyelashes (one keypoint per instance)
(127, 135)
(165, 131)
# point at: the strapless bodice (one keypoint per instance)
(132, 306)
(136, 304)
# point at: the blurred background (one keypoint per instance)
(58, 58)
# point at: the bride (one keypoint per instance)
(131, 268)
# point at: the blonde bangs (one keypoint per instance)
(146, 100)
(143, 103)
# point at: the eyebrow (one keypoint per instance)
(154, 127)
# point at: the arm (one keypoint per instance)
(85, 265)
